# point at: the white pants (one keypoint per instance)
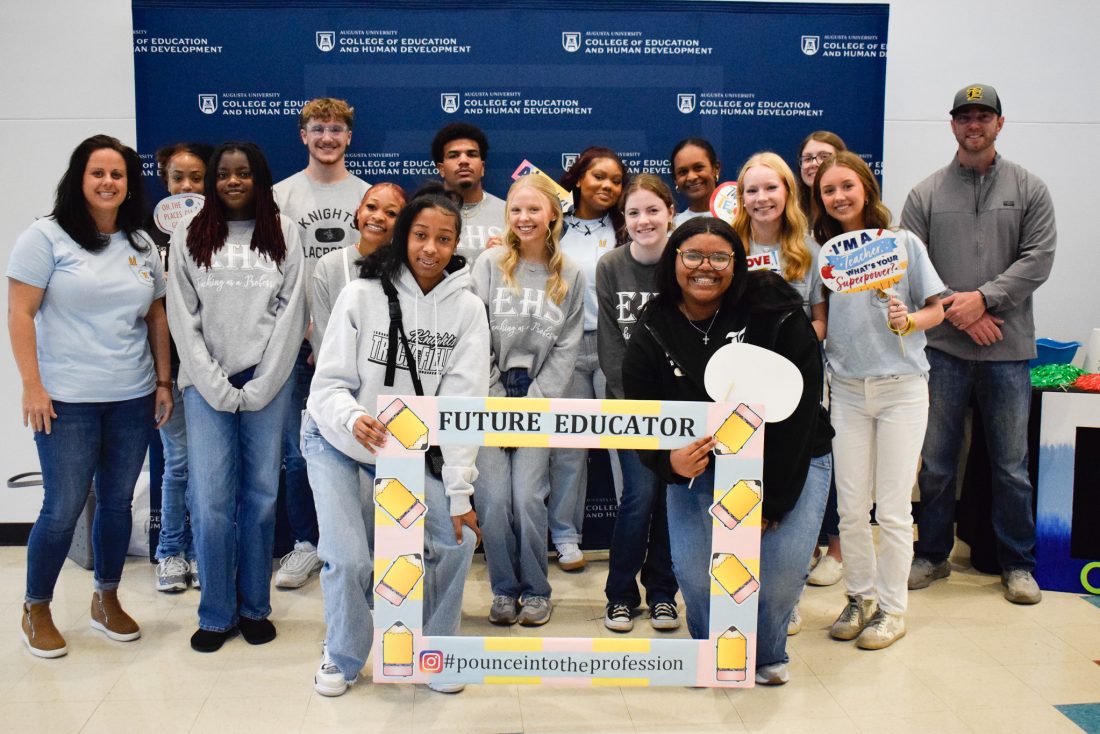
(880, 423)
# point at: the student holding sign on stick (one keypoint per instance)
(879, 394)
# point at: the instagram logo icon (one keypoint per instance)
(431, 661)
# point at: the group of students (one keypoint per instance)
(620, 297)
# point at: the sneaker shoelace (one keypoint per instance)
(295, 560)
(175, 566)
(619, 611)
(852, 612)
(663, 610)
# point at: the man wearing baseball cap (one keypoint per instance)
(989, 227)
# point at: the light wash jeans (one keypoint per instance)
(104, 440)
(784, 556)
(569, 467)
(175, 526)
(233, 461)
(1003, 390)
(511, 507)
(345, 514)
(879, 423)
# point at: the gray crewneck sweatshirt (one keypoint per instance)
(623, 286)
(245, 311)
(527, 329)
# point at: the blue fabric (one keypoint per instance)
(109, 441)
(1003, 392)
(92, 340)
(640, 541)
(300, 512)
(233, 462)
(175, 524)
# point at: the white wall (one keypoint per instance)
(66, 72)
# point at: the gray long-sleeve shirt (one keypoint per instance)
(994, 234)
(623, 286)
(244, 311)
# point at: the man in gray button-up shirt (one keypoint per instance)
(989, 227)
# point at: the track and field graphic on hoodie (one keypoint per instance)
(431, 349)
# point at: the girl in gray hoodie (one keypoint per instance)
(449, 337)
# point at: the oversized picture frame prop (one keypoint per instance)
(1056, 568)
(403, 654)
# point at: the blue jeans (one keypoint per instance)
(233, 461)
(300, 512)
(640, 541)
(104, 440)
(511, 507)
(1003, 392)
(569, 467)
(345, 511)
(175, 526)
(784, 556)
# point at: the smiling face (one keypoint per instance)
(813, 154)
(843, 196)
(529, 215)
(695, 176)
(765, 196)
(432, 241)
(462, 167)
(104, 184)
(976, 128)
(234, 185)
(326, 140)
(184, 174)
(647, 218)
(702, 287)
(599, 188)
(376, 217)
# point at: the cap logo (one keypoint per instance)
(973, 93)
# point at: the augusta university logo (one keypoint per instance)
(449, 101)
(571, 41)
(811, 44)
(326, 40)
(685, 103)
(208, 103)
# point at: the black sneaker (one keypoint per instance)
(256, 631)
(663, 616)
(209, 640)
(618, 617)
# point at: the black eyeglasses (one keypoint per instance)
(693, 259)
(819, 158)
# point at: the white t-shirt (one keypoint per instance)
(585, 241)
(93, 345)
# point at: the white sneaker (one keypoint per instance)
(447, 687)
(775, 674)
(857, 614)
(195, 574)
(884, 629)
(570, 557)
(1021, 587)
(329, 680)
(794, 624)
(172, 574)
(827, 572)
(296, 567)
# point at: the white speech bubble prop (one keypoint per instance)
(171, 210)
(752, 374)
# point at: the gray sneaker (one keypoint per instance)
(923, 572)
(854, 618)
(503, 611)
(1020, 587)
(536, 611)
(172, 574)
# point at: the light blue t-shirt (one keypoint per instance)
(93, 345)
(687, 214)
(860, 344)
(809, 286)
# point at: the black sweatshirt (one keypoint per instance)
(763, 319)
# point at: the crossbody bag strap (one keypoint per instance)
(397, 331)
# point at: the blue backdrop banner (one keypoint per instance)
(544, 79)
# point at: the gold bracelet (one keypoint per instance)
(909, 328)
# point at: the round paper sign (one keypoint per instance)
(171, 210)
(723, 202)
(751, 374)
(862, 260)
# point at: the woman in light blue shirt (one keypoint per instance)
(90, 339)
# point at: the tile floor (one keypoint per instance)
(971, 662)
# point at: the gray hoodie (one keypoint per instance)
(334, 271)
(529, 330)
(449, 338)
(245, 311)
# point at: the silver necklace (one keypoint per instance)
(706, 334)
(469, 211)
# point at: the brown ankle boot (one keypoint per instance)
(42, 638)
(108, 617)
